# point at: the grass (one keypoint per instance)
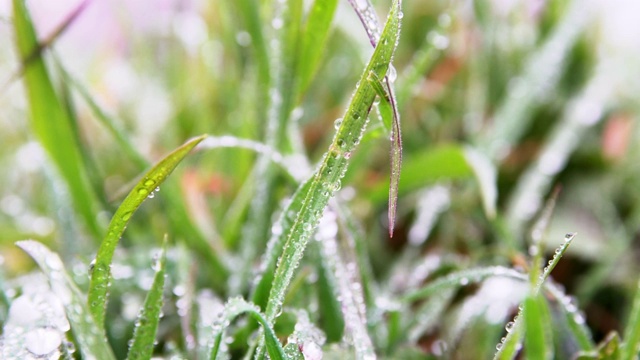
(405, 189)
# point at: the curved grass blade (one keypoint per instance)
(326, 180)
(236, 307)
(88, 334)
(144, 334)
(631, 348)
(101, 275)
(51, 123)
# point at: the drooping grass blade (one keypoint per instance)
(144, 334)
(101, 274)
(87, 332)
(369, 20)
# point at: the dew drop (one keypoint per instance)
(143, 192)
(569, 236)
(149, 182)
(92, 265)
(347, 155)
(392, 74)
(337, 123)
(509, 326)
(126, 216)
(499, 346)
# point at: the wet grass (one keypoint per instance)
(312, 223)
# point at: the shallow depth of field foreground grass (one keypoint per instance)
(319, 179)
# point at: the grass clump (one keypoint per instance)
(312, 224)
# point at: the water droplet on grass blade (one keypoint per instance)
(337, 123)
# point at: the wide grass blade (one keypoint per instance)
(631, 348)
(144, 334)
(87, 332)
(234, 308)
(101, 273)
(51, 123)
(536, 340)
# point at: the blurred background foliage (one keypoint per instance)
(546, 90)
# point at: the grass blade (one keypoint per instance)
(51, 123)
(327, 178)
(369, 20)
(88, 334)
(314, 37)
(536, 341)
(631, 347)
(144, 334)
(236, 307)
(101, 275)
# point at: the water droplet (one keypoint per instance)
(392, 74)
(509, 326)
(499, 346)
(400, 15)
(126, 216)
(341, 143)
(347, 155)
(337, 123)
(143, 191)
(464, 281)
(569, 236)
(151, 195)
(92, 265)
(558, 250)
(277, 23)
(149, 182)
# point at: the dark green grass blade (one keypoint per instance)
(314, 37)
(144, 335)
(101, 275)
(88, 334)
(51, 123)
(236, 307)
(631, 348)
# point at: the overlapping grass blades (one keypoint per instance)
(326, 180)
(88, 333)
(144, 334)
(234, 308)
(101, 273)
(51, 122)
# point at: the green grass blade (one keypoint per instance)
(314, 37)
(51, 123)
(276, 244)
(101, 275)
(87, 332)
(631, 348)
(328, 304)
(487, 175)
(144, 334)
(326, 179)
(234, 308)
(536, 342)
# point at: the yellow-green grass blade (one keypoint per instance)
(101, 274)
